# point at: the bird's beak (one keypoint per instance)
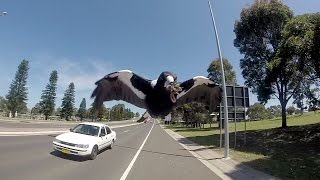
(174, 89)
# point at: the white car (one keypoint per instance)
(85, 139)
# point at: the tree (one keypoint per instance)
(193, 113)
(102, 113)
(3, 104)
(82, 109)
(301, 42)
(257, 112)
(17, 95)
(137, 114)
(48, 96)
(36, 109)
(67, 106)
(57, 111)
(91, 112)
(275, 110)
(315, 48)
(266, 68)
(291, 110)
(313, 96)
(214, 71)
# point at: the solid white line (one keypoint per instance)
(125, 174)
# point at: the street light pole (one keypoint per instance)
(226, 120)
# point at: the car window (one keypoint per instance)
(86, 129)
(108, 130)
(103, 131)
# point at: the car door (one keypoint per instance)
(102, 142)
(109, 135)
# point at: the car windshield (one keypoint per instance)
(86, 129)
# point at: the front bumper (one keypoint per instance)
(71, 150)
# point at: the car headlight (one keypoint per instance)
(57, 141)
(82, 145)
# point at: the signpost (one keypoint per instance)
(237, 103)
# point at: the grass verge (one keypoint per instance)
(290, 153)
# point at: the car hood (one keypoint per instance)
(76, 138)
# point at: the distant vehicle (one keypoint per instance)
(85, 139)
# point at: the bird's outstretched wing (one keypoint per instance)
(122, 85)
(200, 89)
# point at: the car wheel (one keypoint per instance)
(94, 152)
(111, 145)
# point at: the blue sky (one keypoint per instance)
(85, 40)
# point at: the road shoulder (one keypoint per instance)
(224, 168)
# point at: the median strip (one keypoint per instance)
(33, 133)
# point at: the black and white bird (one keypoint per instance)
(158, 97)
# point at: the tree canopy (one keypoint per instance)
(67, 107)
(82, 109)
(47, 103)
(214, 71)
(18, 91)
(257, 111)
(266, 70)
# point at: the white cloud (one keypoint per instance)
(83, 73)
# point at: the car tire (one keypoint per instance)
(111, 145)
(94, 152)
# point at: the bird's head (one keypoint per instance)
(168, 82)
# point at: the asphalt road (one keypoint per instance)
(32, 157)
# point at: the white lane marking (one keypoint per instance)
(125, 174)
(33, 133)
(126, 131)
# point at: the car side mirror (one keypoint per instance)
(70, 129)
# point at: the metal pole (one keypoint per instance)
(220, 124)
(226, 123)
(235, 116)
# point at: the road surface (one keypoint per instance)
(161, 157)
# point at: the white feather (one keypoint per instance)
(154, 82)
(199, 77)
(198, 80)
(170, 79)
(125, 71)
(125, 78)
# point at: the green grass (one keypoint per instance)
(291, 153)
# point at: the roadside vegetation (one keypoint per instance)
(290, 153)
(14, 103)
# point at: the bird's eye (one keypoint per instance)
(170, 79)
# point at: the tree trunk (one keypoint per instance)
(284, 115)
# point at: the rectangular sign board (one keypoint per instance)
(238, 102)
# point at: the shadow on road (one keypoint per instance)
(53, 135)
(68, 156)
